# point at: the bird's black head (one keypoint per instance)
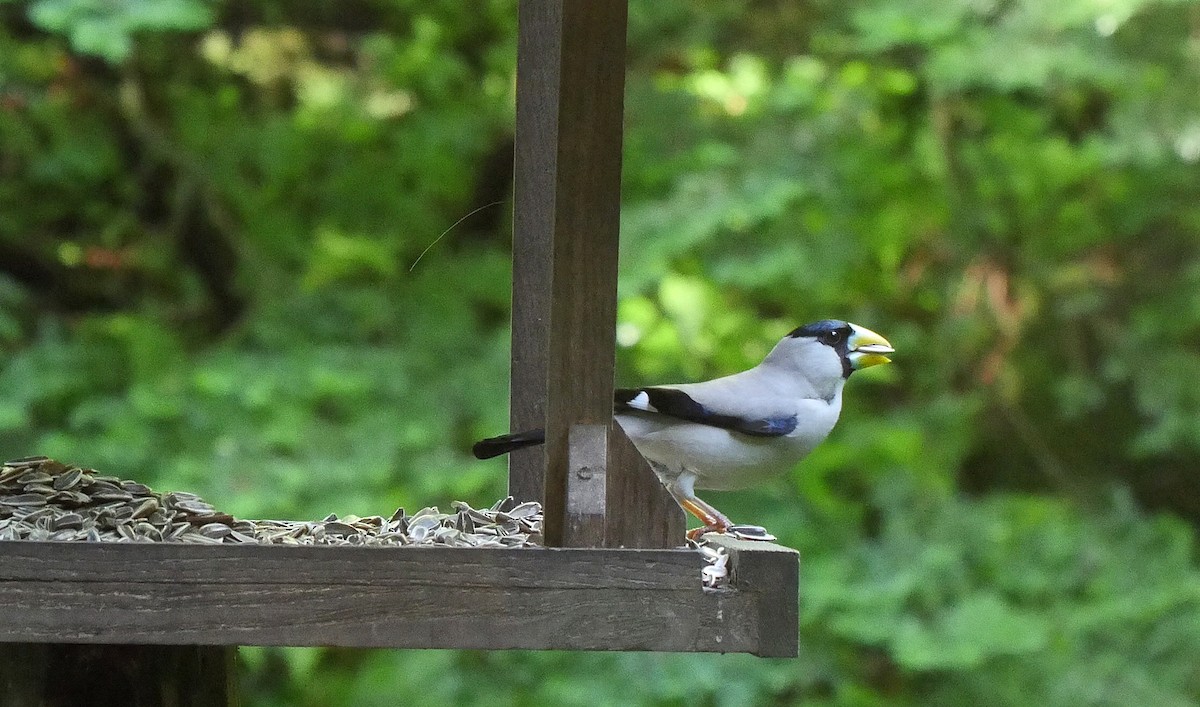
(856, 347)
(831, 332)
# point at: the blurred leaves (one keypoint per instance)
(106, 28)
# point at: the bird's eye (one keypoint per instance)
(832, 337)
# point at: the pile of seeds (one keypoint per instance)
(42, 499)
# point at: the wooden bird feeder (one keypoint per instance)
(151, 624)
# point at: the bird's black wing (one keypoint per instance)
(673, 402)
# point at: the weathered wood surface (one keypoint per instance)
(567, 181)
(643, 513)
(587, 464)
(570, 101)
(772, 572)
(535, 161)
(99, 675)
(593, 599)
(587, 211)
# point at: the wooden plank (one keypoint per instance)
(375, 597)
(397, 567)
(571, 80)
(70, 674)
(646, 515)
(586, 495)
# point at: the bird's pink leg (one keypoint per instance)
(714, 521)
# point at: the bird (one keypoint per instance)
(739, 430)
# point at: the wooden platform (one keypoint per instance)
(553, 598)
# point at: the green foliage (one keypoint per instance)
(205, 250)
(107, 29)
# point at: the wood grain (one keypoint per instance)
(772, 573)
(593, 599)
(570, 94)
(535, 165)
(586, 486)
(646, 515)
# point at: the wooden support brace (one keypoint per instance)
(645, 514)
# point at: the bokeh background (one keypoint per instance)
(209, 212)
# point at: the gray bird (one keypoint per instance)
(739, 430)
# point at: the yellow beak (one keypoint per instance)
(868, 348)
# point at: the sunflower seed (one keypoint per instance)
(215, 530)
(68, 521)
(10, 473)
(147, 531)
(197, 507)
(45, 500)
(135, 488)
(198, 539)
(340, 529)
(525, 510)
(34, 477)
(67, 479)
(27, 461)
(25, 499)
(144, 508)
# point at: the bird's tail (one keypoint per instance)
(495, 446)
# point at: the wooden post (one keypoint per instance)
(69, 674)
(570, 101)
(539, 48)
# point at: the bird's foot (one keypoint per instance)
(695, 533)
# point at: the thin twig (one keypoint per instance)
(435, 240)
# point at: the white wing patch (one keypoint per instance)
(641, 401)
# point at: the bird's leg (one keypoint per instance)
(681, 486)
(680, 483)
(714, 521)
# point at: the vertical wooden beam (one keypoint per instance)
(570, 107)
(539, 51)
(69, 674)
